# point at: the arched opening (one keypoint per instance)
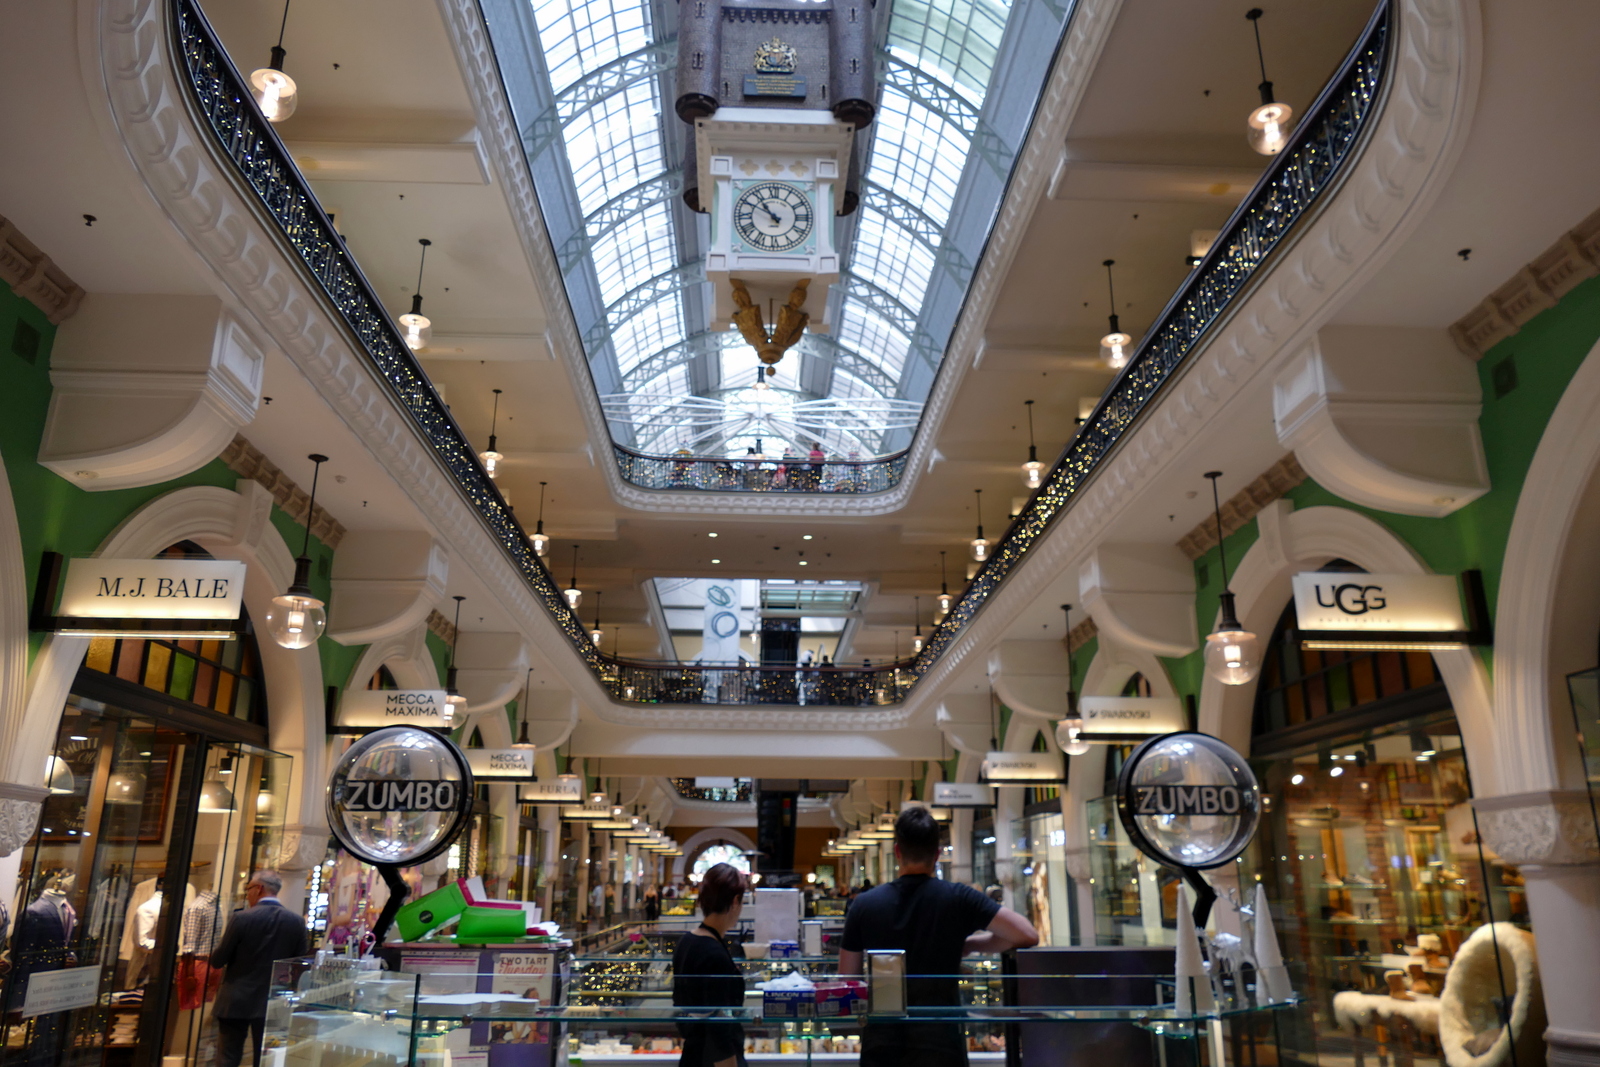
(1368, 848)
(164, 798)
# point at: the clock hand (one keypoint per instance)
(776, 221)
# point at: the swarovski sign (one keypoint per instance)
(1119, 717)
(1393, 602)
(1005, 768)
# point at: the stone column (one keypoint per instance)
(1552, 837)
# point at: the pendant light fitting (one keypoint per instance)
(1033, 470)
(541, 540)
(945, 599)
(1233, 654)
(297, 618)
(916, 640)
(761, 379)
(522, 741)
(417, 327)
(1069, 731)
(490, 457)
(980, 545)
(1114, 345)
(596, 635)
(573, 594)
(274, 92)
(1269, 124)
(454, 702)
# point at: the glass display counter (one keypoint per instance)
(605, 1009)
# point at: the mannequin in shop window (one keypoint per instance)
(43, 943)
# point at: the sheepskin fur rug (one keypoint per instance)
(1497, 961)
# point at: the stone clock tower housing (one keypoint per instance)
(776, 91)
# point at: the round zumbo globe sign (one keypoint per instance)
(1188, 800)
(399, 796)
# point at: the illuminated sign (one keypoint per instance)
(1004, 768)
(1188, 800)
(1340, 600)
(501, 762)
(391, 707)
(152, 589)
(1130, 716)
(962, 795)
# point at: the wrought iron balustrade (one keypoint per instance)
(745, 684)
(1288, 191)
(788, 474)
(1293, 182)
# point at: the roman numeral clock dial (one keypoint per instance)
(773, 217)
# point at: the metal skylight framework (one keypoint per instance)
(593, 102)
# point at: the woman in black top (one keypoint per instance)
(705, 976)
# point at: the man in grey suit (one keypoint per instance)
(263, 932)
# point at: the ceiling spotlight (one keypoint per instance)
(1336, 772)
(274, 92)
(1115, 344)
(1033, 470)
(1297, 779)
(1268, 124)
(417, 327)
(491, 458)
(1233, 654)
(296, 618)
(980, 544)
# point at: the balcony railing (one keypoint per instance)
(788, 474)
(1294, 181)
(744, 684)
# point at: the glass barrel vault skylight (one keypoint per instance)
(590, 82)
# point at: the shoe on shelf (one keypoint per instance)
(1397, 985)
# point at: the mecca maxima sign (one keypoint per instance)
(500, 762)
(371, 708)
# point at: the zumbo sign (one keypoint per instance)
(1339, 600)
(399, 796)
(1187, 800)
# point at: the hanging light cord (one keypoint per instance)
(978, 509)
(284, 24)
(1254, 15)
(1031, 449)
(541, 505)
(455, 635)
(574, 567)
(1072, 694)
(1111, 288)
(424, 242)
(1216, 506)
(494, 420)
(311, 505)
(944, 586)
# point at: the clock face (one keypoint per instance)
(773, 216)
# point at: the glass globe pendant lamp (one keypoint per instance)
(455, 705)
(1033, 470)
(1116, 346)
(573, 594)
(274, 92)
(296, 618)
(416, 329)
(1269, 125)
(1233, 654)
(1069, 731)
(490, 457)
(596, 635)
(916, 639)
(540, 539)
(945, 599)
(980, 544)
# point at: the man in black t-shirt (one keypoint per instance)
(936, 923)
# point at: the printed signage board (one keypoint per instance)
(555, 791)
(1130, 716)
(96, 588)
(962, 795)
(63, 990)
(393, 707)
(500, 762)
(1005, 768)
(1398, 603)
(399, 796)
(1187, 800)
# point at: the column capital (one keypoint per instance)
(1544, 827)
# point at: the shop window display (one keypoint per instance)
(1369, 851)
